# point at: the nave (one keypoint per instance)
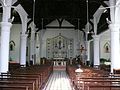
(59, 80)
(44, 77)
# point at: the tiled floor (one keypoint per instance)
(59, 80)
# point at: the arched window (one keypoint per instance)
(12, 45)
(107, 47)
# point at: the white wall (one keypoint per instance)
(104, 38)
(15, 36)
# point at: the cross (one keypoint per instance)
(82, 49)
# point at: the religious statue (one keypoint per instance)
(59, 45)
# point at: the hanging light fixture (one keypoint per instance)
(78, 30)
(88, 27)
(87, 16)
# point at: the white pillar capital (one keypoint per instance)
(96, 37)
(33, 31)
(5, 25)
(23, 35)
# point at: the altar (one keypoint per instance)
(59, 64)
(59, 48)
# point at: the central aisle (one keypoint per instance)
(59, 80)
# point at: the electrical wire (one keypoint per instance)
(34, 14)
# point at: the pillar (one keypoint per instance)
(23, 37)
(32, 46)
(41, 42)
(115, 38)
(37, 49)
(87, 52)
(5, 37)
(96, 51)
(112, 10)
(23, 49)
(115, 46)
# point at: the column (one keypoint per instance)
(23, 49)
(115, 46)
(23, 38)
(96, 51)
(4, 55)
(88, 52)
(112, 10)
(115, 38)
(5, 37)
(28, 50)
(32, 47)
(37, 49)
(86, 47)
(41, 42)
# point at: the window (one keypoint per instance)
(12, 46)
(107, 47)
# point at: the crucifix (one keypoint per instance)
(82, 49)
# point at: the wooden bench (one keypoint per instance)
(36, 78)
(37, 74)
(30, 85)
(91, 78)
(103, 87)
(85, 83)
(20, 81)
(17, 87)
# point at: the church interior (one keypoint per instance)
(59, 45)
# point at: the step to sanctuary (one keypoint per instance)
(59, 68)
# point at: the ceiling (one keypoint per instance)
(74, 11)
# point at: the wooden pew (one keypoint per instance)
(30, 85)
(28, 77)
(91, 78)
(20, 81)
(42, 74)
(9, 87)
(39, 74)
(84, 84)
(103, 87)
